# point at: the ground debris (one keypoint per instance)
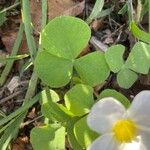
(55, 8)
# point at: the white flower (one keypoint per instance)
(121, 129)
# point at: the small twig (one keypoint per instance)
(116, 31)
(118, 38)
(118, 24)
(10, 96)
(20, 112)
(2, 90)
(9, 8)
(26, 82)
(19, 101)
(31, 121)
(98, 44)
(96, 94)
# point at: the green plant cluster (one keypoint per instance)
(65, 37)
(62, 41)
(68, 119)
(59, 63)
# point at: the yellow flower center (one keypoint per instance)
(124, 130)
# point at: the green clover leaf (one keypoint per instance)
(84, 135)
(62, 41)
(79, 99)
(48, 137)
(139, 58)
(114, 57)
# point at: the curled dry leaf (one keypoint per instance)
(8, 40)
(98, 44)
(55, 8)
(13, 84)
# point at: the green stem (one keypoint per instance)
(28, 28)
(44, 13)
(6, 126)
(32, 86)
(14, 52)
(9, 134)
(149, 14)
(130, 11)
(138, 11)
(34, 78)
(4, 59)
(22, 109)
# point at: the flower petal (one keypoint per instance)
(139, 110)
(145, 136)
(104, 114)
(134, 145)
(104, 142)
